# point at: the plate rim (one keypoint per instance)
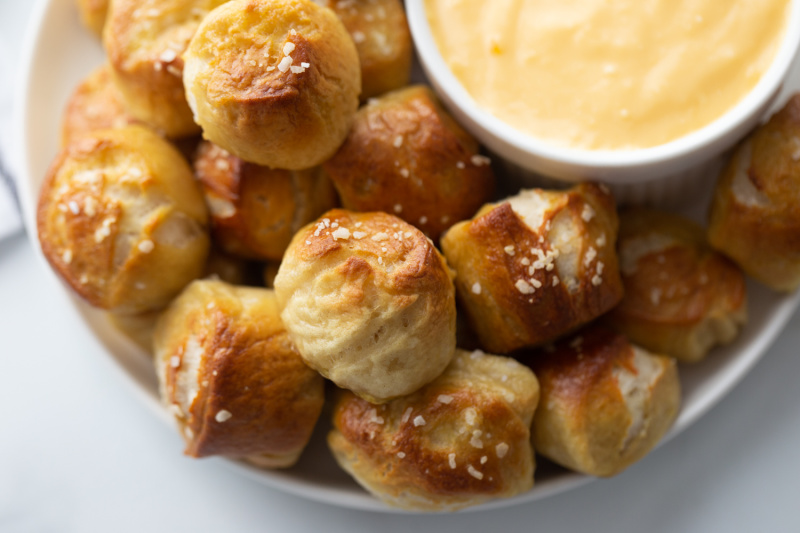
(781, 313)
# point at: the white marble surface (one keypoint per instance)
(78, 453)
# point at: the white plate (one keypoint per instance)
(60, 53)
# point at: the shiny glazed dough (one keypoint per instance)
(461, 440)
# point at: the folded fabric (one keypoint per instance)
(10, 221)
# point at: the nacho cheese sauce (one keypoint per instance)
(608, 75)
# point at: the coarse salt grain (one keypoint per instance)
(597, 280)
(476, 288)
(444, 398)
(470, 414)
(401, 455)
(378, 237)
(474, 473)
(359, 234)
(74, 207)
(285, 63)
(484, 459)
(460, 165)
(591, 253)
(476, 441)
(510, 250)
(524, 287)
(146, 246)
(223, 415)
(398, 208)
(297, 70)
(480, 160)
(175, 361)
(67, 256)
(419, 421)
(588, 213)
(423, 220)
(406, 416)
(404, 172)
(501, 450)
(451, 459)
(168, 55)
(655, 296)
(398, 141)
(359, 37)
(374, 418)
(341, 233)
(288, 48)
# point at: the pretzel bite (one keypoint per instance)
(406, 155)
(95, 105)
(233, 379)
(536, 266)
(380, 30)
(755, 213)
(145, 41)
(274, 82)
(93, 14)
(369, 302)
(681, 297)
(255, 211)
(122, 221)
(604, 402)
(462, 440)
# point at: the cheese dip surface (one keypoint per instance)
(608, 74)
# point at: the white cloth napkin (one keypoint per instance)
(10, 221)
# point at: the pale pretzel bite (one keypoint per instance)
(93, 14)
(604, 402)
(462, 440)
(755, 213)
(122, 221)
(681, 297)
(274, 82)
(380, 30)
(94, 105)
(232, 378)
(407, 156)
(145, 41)
(536, 266)
(255, 210)
(369, 302)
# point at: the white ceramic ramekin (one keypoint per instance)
(660, 175)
